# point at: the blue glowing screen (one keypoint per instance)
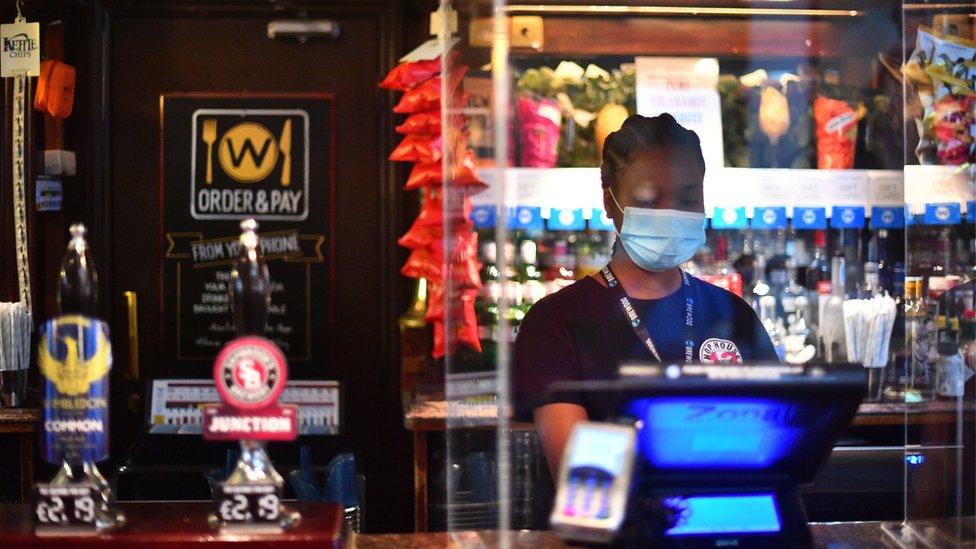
(720, 432)
(743, 514)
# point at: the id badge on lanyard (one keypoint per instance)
(640, 330)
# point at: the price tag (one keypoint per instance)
(247, 503)
(73, 505)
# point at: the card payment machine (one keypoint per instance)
(723, 449)
(594, 480)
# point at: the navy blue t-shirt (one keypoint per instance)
(580, 333)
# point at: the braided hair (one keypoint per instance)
(641, 133)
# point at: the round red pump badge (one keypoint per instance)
(250, 373)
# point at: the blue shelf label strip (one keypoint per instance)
(765, 217)
(809, 218)
(600, 222)
(769, 218)
(730, 218)
(943, 214)
(566, 220)
(887, 217)
(483, 217)
(526, 218)
(847, 217)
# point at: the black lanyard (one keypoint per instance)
(638, 325)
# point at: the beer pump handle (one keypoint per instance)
(77, 281)
(250, 285)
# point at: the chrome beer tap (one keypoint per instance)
(77, 294)
(250, 299)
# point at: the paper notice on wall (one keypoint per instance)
(685, 87)
(20, 52)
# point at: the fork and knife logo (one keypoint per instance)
(248, 152)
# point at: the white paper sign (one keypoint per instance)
(935, 184)
(685, 87)
(886, 188)
(20, 49)
(429, 50)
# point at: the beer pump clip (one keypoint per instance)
(594, 482)
(250, 373)
(75, 357)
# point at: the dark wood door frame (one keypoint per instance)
(385, 512)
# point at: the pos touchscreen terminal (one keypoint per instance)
(720, 450)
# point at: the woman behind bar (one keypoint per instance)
(642, 306)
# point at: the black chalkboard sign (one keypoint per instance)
(227, 157)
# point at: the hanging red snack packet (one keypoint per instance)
(424, 264)
(463, 333)
(424, 175)
(409, 74)
(462, 173)
(428, 122)
(836, 123)
(467, 332)
(420, 236)
(458, 209)
(429, 174)
(463, 266)
(440, 343)
(417, 148)
(466, 274)
(427, 96)
(435, 303)
(427, 148)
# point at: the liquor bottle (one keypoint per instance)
(872, 280)
(818, 275)
(951, 372)
(792, 299)
(592, 253)
(760, 287)
(487, 314)
(776, 274)
(486, 304)
(489, 267)
(767, 313)
(529, 275)
(886, 267)
(514, 312)
(941, 265)
(562, 268)
(744, 263)
(800, 254)
(723, 274)
(920, 341)
(833, 338)
(921, 253)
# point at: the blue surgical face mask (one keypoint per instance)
(658, 240)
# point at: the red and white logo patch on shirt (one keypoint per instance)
(719, 351)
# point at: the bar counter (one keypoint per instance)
(834, 535)
(179, 524)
